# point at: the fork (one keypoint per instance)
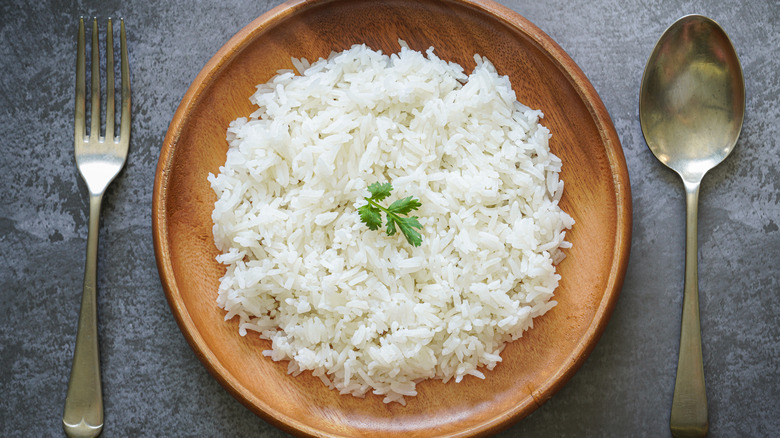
(98, 159)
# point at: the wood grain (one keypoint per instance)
(597, 195)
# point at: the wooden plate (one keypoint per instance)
(597, 195)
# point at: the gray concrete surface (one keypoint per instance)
(153, 383)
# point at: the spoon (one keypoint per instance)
(691, 108)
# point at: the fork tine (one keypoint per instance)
(110, 82)
(124, 128)
(80, 118)
(95, 62)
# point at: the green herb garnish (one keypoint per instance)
(371, 214)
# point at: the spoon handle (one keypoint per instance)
(689, 406)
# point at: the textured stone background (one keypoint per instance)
(153, 383)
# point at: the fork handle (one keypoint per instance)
(83, 414)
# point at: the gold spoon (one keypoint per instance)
(691, 107)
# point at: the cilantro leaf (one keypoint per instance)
(370, 214)
(404, 206)
(390, 226)
(407, 226)
(380, 191)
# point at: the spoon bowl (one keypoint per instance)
(691, 108)
(692, 100)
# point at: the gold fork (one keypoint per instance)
(98, 159)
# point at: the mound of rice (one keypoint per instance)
(362, 310)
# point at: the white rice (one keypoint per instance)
(362, 310)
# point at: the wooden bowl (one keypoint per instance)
(597, 195)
